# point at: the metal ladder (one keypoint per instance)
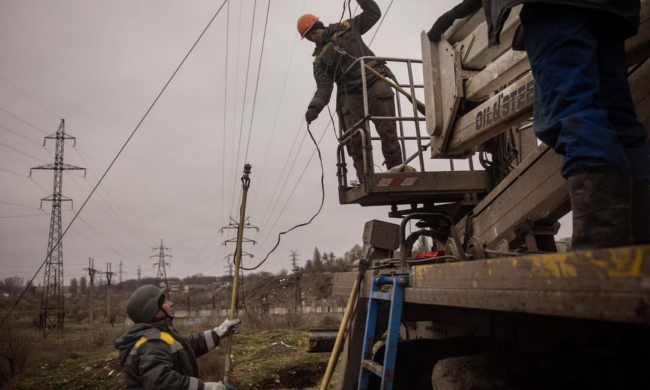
(396, 299)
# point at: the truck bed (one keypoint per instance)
(609, 285)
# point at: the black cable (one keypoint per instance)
(30, 98)
(110, 166)
(23, 153)
(20, 135)
(25, 122)
(322, 202)
(380, 23)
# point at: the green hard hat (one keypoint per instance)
(144, 303)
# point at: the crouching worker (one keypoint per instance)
(154, 355)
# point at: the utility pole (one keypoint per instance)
(242, 288)
(161, 277)
(52, 312)
(109, 276)
(91, 275)
(139, 276)
(296, 273)
(235, 225)
(120, 272)
(246, 181)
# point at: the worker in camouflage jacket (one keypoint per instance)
(583, 107)
(154, 355)
(337, 47)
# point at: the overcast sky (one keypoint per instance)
(100, 65)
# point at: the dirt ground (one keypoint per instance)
(262, 360)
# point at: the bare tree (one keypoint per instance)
(13, 284)
(83, 285)
(74, 287)
(14, 349)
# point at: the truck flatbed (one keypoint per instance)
(609, 285)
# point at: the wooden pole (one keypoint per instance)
(238, 253)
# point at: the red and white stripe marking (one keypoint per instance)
(397, 181)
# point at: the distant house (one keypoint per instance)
(194, 287)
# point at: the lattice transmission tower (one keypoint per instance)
(161, 277)
(52, 312)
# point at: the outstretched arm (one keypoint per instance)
(466, 8)
(371, 13)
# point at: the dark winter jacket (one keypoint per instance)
(625, 20)
(155, 356)
(342, 44)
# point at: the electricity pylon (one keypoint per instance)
(52, 313)
(296, 271)
(161, 277)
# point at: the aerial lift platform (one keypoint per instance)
(503, 286)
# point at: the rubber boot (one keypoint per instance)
(601, 204)
(641, 215)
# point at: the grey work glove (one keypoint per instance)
(226, 326)
(217, 386)
(311, 115)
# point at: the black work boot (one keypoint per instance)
(358, 167)
(601, 210)
(641, 215)
(394, 160)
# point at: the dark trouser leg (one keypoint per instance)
(617, 100)
(352, 110)
(384, 105)
(563, 51)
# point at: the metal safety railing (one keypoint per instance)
(362, 127)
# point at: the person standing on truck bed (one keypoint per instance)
(337, 47)
(583, 107)
(154, 355)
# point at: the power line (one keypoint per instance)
(116, 157)
(225, 114)
(23, 216)
(25, 122)
(257, 82)
(20, 205)
(108, 191)
(15, 173)
(322, 183)
(241, 125)
(380, 23)
(23, 153)
(299, 179)
(20, 135)
(277, 111)
(57, 117)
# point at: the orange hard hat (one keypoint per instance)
(305, 23)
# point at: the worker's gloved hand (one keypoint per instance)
(440, 26)
(311, 115)
(217, 386)
(226, 326)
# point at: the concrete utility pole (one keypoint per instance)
(52, 313)
(91, 275)
(109, 276)
(161, 277)
(296, 273)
